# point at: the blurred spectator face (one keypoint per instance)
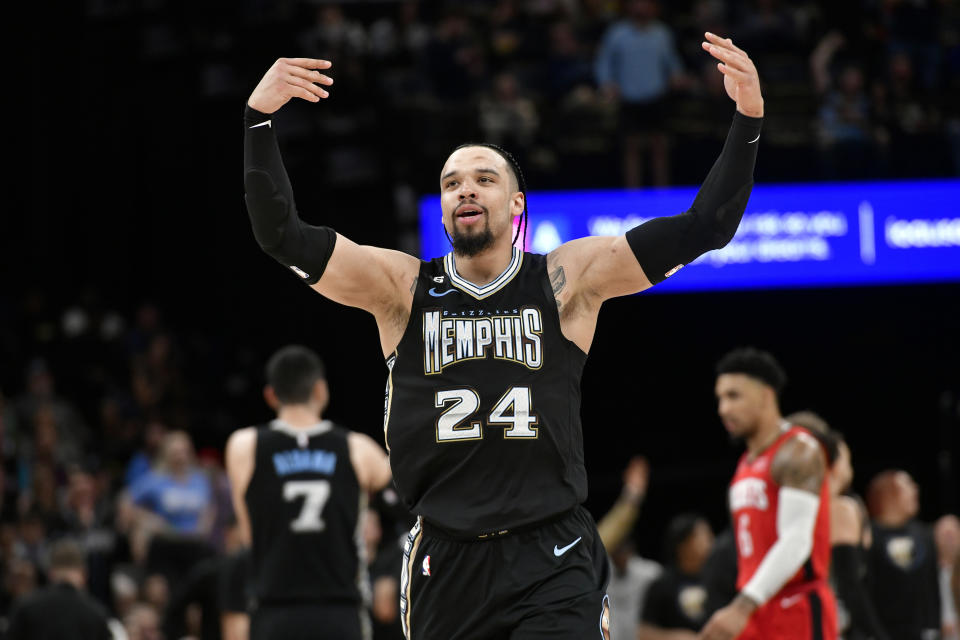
(32, 530)
(177, 452)
(697, 545)
(901, 68)
(505, 87)
(21, 577)
(82, 491)
(153, 436)
(39, 380)
(142, 623)
(741, 401)
(44, 432)
(851, 81)
(621, 555)
(159, 351)
(907, 494)
(563, 40)
(642, 10)
(156, 591)
(842, 470)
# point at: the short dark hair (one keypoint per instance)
(292, 372)
(755, 363)
(67, 553)
(679, 529)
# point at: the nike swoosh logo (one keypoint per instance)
(437, 294)
(755, 139)
(786, 603)
(559, 552)
(265, 123)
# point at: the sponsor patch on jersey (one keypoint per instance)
(425, 569)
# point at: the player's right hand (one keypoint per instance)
(290, 78)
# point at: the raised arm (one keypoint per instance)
(798, 467)
(595, 269)
(376, 280)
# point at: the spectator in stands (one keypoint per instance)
(62, 610)
(177, 490)
(508, 118)
(637, 64)
(567, 65)
(142, 623)
(632, 575)
(676, 604)
(153, 435)
(902, 561)
(88, 519)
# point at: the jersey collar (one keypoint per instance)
(297, 432)
(486, 290)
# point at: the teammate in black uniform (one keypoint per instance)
(299, 486)
(486, 346)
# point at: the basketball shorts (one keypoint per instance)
(799, 614)
(309, 621)
(539, 583)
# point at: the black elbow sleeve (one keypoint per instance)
(304, 248)
(663, 245)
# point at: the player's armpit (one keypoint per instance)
(800, 463)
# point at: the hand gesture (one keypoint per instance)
(636, 478)
(725, 624)
(740, 77)
(290, 78)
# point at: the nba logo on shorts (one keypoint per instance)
(425, 570)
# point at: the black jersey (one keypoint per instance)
(903, 580)
(482, 415)
(304, 503)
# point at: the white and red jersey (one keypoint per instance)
(754, 496)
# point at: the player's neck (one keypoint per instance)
(765, 435)
(299, 416)
(486, 267)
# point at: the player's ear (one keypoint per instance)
(321, 393)
(271, 397)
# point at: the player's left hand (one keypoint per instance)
(740, 77)
(726, 623)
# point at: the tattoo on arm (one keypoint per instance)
(800, 464)
(413, 287)
(558, 280)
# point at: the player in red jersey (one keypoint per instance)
(779, 505)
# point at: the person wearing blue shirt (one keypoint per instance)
(637, 63)
(176, 490)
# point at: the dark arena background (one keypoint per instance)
(133, 296)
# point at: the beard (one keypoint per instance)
(469, 245)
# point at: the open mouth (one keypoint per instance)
(469, 212)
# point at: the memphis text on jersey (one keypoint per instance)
(451, 337)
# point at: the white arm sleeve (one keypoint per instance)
(796, 516)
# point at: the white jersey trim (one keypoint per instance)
(486, 290)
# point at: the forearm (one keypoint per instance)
(304, 248)
(615, 526)
(664, 244)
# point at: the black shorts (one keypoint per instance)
(549, 582)
(309, 622)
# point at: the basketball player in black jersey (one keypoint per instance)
(485, 348)
(299, 486)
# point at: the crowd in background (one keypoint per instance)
(110, 466)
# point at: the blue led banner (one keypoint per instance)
(800, 235)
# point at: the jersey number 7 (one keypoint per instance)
(315, 494)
